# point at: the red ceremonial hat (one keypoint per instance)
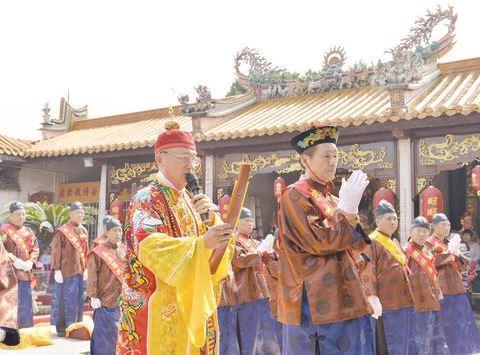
(173, 137)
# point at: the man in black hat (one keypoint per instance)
(104, 267)
(69, 248)
(320, 300)
(22, 245)
(246, 326)
(427, 335)
(460, 328)
(391, 292)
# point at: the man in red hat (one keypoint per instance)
(169, 296)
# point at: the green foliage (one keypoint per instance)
(44, 218)
(235, 89)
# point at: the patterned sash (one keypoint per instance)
(79, 242)
(326, 203)
(18, 240)
(111, 258)
(390, 246)
(439, 247)
(426, 263)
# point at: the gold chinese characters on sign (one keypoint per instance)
(450, 149)
(85, 192)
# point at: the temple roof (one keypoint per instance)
(13, 147)
(114, 133)
(455, 91)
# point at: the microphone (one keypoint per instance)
(192, 183)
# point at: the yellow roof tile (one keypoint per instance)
(108, 138)
(453, 92)
(12, 146)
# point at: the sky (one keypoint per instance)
(127, 56)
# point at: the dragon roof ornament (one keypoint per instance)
(413, 64)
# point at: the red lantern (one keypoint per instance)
(116, 209)
(431, 202)
(383, 194)
(278, 186)
(223, 203)
(476, 179)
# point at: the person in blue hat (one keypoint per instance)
(391, 291)
(246, 326)
(427, 334)
(104, 267)
(461, 331)
(69, 252)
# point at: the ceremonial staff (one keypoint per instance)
(236, 203)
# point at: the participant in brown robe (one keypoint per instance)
(104, 288)
(459, 324)
(427, 335)
(320, 297)
(391, 287)
(8, 298)
(246, 326)
(69, 248)
(22, 244)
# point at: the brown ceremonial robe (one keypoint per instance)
(8, 290)
(448, 266)
(426, 293)
(317, 258)
(64, 255)
(246, 282)
(32, 243)
(102, 282)
(390, 282)
(270, 262)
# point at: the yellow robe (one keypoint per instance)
(169, 297)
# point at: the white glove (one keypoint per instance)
(95, 303)
(85, 275)
(376, 305)
(3, 334)
(351, 192)
(58, 276)
(266, 246)
(454, 245)
(19, 264)
(28, 265)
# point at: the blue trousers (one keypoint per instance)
(353, 336)
(247, 328)
(25, 309)
(105, 331)
(459, 325)
(427, 336)
(67, 303)
(397, 324)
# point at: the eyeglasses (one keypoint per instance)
(186, 158)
